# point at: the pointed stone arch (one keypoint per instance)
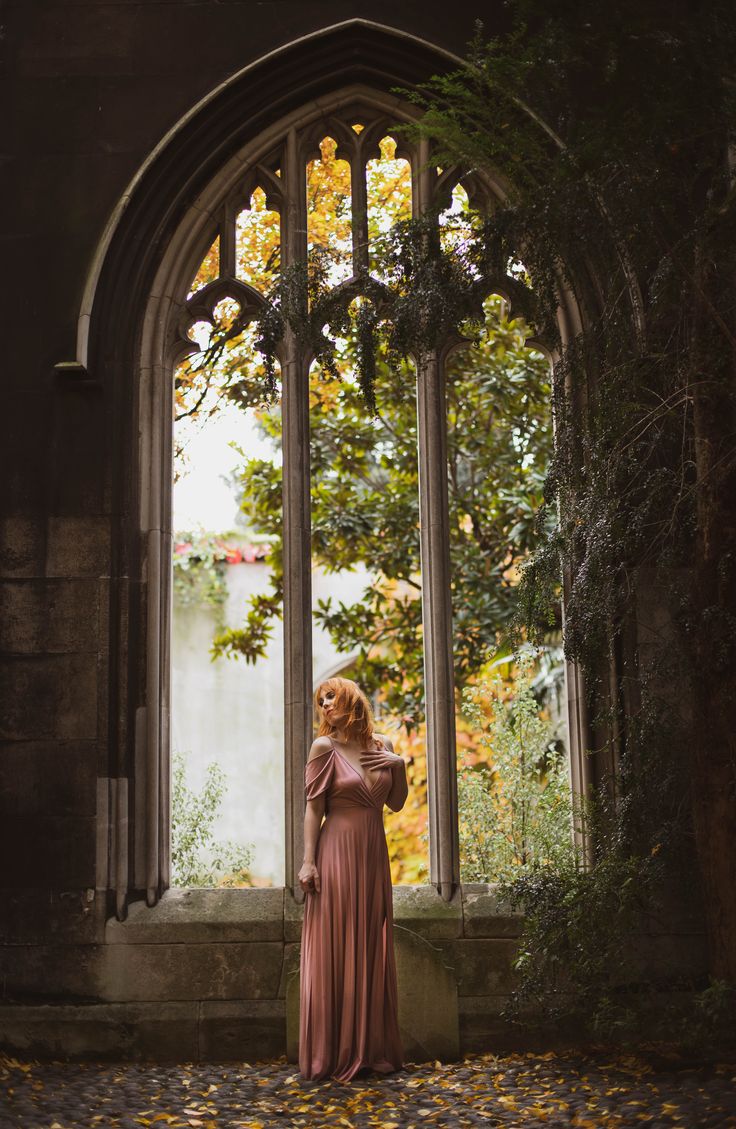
(131, 333)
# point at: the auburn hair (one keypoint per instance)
(351, 711)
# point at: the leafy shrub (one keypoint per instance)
(515, 810)
(197, 859)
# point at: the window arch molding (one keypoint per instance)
(139, 381)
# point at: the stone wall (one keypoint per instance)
(214, 974)
(95, 88)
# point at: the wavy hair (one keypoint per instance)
(351, 711)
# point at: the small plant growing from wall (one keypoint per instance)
(197, 858)
(515, 806)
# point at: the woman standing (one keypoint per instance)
(349, 1007)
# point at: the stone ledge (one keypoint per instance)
(238, 1030)
(419, 908)
(424, 911)
(148, 1031)
(293, 917)
(485, 915)
(189, 971)
(86, 974)
(156, 1032)
(195, 916)
(272, 914)
(483, 966)
(289, 967)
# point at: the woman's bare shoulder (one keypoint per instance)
(320, 745)
(386, 740)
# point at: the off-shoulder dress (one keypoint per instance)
(348, 999)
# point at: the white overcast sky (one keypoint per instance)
(202, 498)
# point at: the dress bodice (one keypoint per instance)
(332, 773)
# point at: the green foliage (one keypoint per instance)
(197, 858)
(431, 287)
(610, 128)
(200, 561)
(574, 957)
(365, 507)
(711, 1022)
(260, 505)
(515, 809)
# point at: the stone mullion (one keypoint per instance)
(228, 249)
(444, 852)
(156, 563)
(580, 764)
(167, 618)
(297, 553)
(439, 680)
(359, 193)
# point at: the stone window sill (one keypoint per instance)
(271, 914)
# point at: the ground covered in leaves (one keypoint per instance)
(553, 1089)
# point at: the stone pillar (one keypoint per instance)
(439, 675)
(439, 680)
(152, 839)
(298, 712)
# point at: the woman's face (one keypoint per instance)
(326, 702)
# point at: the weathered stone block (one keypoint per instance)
(666, 958)
(51, 973)
(78, 546)
(250, 1030)
(483, 967)
(293, 988)
(49, 616)
(197, 916)
(190, 971)
(48, 696)
(485, 915)
(23, 474)
(428, 1007)
(160, 1032)
(483, 1030)
(40, 917)
(48, 850)
(22, 546)
(48, 778)
(293, 917)
(290, 966)
(423, 910)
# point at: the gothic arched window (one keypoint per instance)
(201, 281)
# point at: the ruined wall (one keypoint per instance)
(95, 88)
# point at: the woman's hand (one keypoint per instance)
(380, 758)
(383, 758)
(309, 878)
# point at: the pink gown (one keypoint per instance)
(348, 1005)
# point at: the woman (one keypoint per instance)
(348, 1019)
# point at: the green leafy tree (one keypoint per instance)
(197, 858)
(365, 503)
(514, 803)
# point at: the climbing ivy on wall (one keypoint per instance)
(613, 126)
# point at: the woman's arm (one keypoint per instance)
(315, 809)
(313, 813)
(399, 784)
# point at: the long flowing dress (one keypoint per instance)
(348, 998)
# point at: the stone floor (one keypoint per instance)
(554, 1089)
